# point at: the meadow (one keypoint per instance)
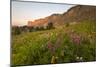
(64, 44)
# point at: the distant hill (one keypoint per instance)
(75, 14)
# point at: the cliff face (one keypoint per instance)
(80, 13)
(38, 22)
(75, 14)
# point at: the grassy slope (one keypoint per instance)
(31, 48)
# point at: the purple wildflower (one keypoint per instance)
(75, 38)
(51, 47)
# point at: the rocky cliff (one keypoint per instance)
(75, 14)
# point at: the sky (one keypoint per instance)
(22, 12)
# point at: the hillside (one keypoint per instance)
(69, 43)
(75, 14)
(80, 13)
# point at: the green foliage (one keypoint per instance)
(50, 25)
(32, 47)
(16, 31)
(31, 29)
(67, 24)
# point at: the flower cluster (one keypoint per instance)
(79, 59)
(75, 38)
(51, 47)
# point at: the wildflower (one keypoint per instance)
(54, 59)
(75, 38)
(79, 58)
(51, 47)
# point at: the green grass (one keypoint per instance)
(31, 48)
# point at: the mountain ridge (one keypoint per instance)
(76, 13)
